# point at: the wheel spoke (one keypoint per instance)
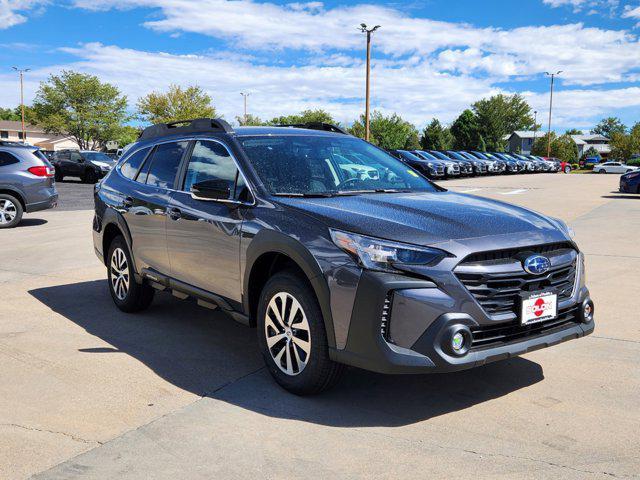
(303, 344)
(271, 341)
(278, 357)
(295, 307)
(288, 358)
(301, 364)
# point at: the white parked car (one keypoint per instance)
(613, 167)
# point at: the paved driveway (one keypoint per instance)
(180, 392)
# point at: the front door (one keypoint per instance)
(146, 205)
(203, 236)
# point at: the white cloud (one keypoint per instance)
(588, 55)
(12, 11)
(631, 12)
(418, 92)
(594, 6)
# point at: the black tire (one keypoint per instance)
(319, 372)
(567, 169)
(602, 171)
(138, 296)
(10, 211)
(90, 176)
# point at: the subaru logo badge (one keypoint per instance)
(536, 265)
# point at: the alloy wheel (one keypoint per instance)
(8, 211)
(287, 332)
(120, 273)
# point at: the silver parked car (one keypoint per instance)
(26, 182)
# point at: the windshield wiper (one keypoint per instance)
(306, 195)
(376, 190)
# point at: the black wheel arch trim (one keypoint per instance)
(113, 217)
(271, 241)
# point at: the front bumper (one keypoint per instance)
(414, 336)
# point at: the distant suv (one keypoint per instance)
(90, 166)
(389, 273)
(26, 182)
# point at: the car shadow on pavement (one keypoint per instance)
(625, 196)
(31, 222)
(207, 353)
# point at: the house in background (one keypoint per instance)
(599, 142)
(521, 141)
(12, 131)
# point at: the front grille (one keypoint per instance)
(487, 336)
(499, 293)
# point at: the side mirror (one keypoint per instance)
(211, 190)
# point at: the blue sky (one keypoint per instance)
(431, 58)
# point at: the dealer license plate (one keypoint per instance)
(539, 307)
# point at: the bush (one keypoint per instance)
(635, 162)
(575, 166)
(589, 166)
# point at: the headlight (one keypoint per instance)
(382, 255)
(431, 165)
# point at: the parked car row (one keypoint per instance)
(442, 164)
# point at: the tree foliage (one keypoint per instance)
(466, 135)
(609, 126)
(10, 114)
(573, 131)
(250, 121)
(500, 115)
(126, 135)
(176, 104)
(436, 137)
(389, 132)
(81, 106)
(306, 116)
(590, 152)
(562, 147)
(624, 146)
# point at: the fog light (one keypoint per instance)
(587, 311)
(457, 342)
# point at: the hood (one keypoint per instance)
(428, 218)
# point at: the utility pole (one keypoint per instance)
(245, 95)
(552, 75)
(368, 31)
(22, 71)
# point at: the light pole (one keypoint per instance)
(368, 31)
(22, 71)
(245, 95)
(553, 76)
(535, 126)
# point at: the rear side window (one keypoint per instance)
(210, 161)
(7, 159)
(163, 164)
(131, 166)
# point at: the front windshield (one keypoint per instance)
(456, 155)
(439, 155)
(425, 155)
(328, 165)
(98, 157)
(411, 156)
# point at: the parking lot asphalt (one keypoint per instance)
(180, 392)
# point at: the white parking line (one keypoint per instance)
(471, 190)
(514, 192)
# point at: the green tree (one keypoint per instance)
(436, 137)
(126, 135)
(175, 105)
(9, 114)
(591, 152)
(609, 126)
(251, 121)
(501, 115)
(562, 147)
(306, 116)
(81, 106)
(573, 131)
(624, 146)
(389, 132)
(464, 129)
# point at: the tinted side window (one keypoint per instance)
(131, 166)
(210, 161)
(165, 161)
(7, 158)
(76, 157)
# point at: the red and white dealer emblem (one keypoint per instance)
(539, 307)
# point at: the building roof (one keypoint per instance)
(527, 134)
(583, 139)
(16, 126)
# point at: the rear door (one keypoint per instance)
(203, 236)
(146, 204)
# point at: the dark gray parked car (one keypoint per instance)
(386, 272)
(88, 165)
(26, 182)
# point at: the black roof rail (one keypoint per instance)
(326, 127)
(185, 126)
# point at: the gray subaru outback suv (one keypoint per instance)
(26, 182)
(374, 266)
